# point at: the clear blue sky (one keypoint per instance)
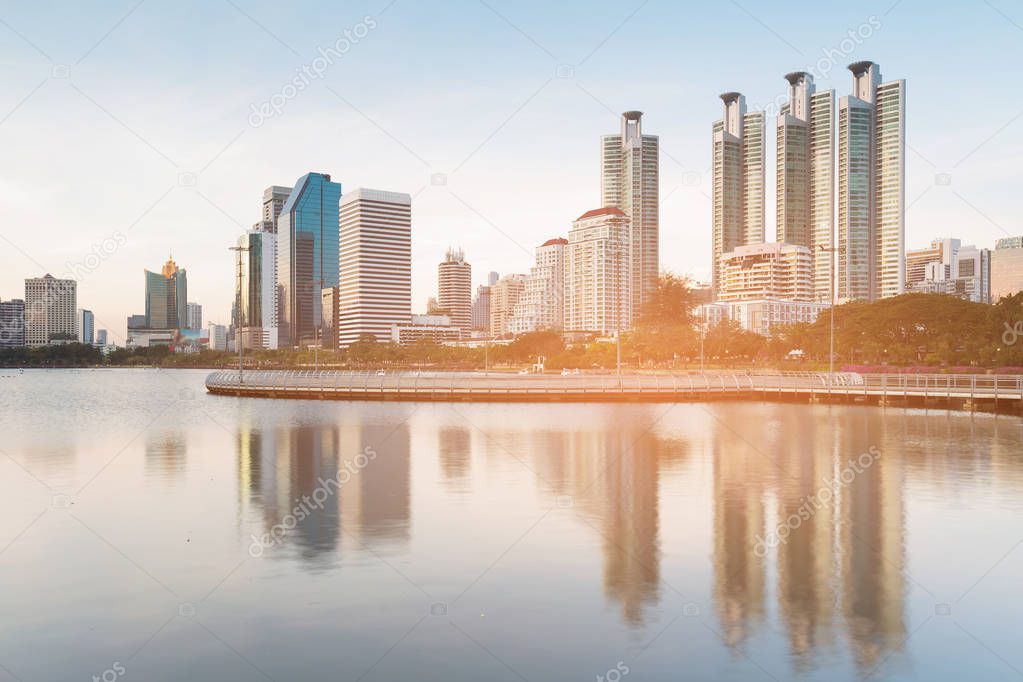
(108, 107)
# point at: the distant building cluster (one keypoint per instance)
(325, 268)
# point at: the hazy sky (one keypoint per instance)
(133, 122)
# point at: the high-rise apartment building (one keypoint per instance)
(1006, 268)
(307, 256)
(504, 297)
(193, 313)
(766, 271)
(50, 306)
(85, 325)
(274, 198)
(629, 181)
(871, 186)
(167, 297)
(542, 305)
(454, 289)
(598, 281)
(375, 264)
(805, 175)
(738, 170)
(257, 306)
(12, 323)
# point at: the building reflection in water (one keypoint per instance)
(845, 554)
(165, 454)
(455, 446)
(612, 473)
(290, 474)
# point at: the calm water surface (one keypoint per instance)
(152, 532)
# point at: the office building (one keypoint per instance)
(504, 296)
(217, 336)
(481, 308)
(1006, 268)
(101, 338)
(375, 263)
(947, 267)
(307, 256)
(433, 328)
(50, 306)
(973, 280)
(166, 297)
(274, 198)
(629, 182)
(766, 271)
(541, 306)
(941, 252)
(738, 180)
(454, 289)
(85, 325)
(257, 306)
(871, 187)
(805, 174)
(12, 323)
(330, 316)
(193, 315)
(598, 296)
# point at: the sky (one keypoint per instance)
(134, 130)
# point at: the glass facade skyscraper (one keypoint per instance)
(167, 297)
(307, 256)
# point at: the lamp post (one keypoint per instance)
(238, 311)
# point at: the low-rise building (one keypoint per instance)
(436, 328)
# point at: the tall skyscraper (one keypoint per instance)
(12, 323)
(274, 198)
(193, 312)
(50, 306)
(738, 169)
(542, 305)
(805, 177)
(598, 281)
(871, 186)
(376, 264)
(629, 181)
(454, 289)
(85, 325)
(307, 256)
(167, 297)
(258, 305)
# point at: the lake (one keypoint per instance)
(154, 532)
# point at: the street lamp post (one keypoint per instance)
(238, 312)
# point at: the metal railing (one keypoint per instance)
(336, 382)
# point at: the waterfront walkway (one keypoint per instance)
(959, 391)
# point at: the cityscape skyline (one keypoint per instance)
(207, 205)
